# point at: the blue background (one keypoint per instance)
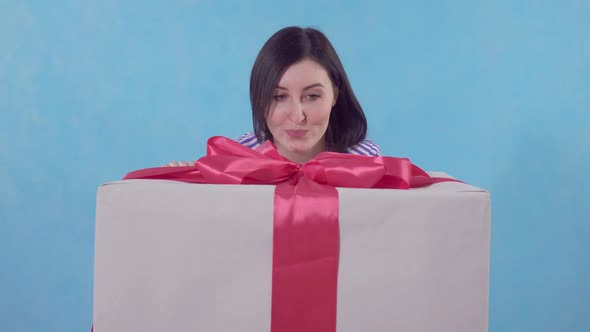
(496, 93)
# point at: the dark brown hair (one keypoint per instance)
(347, 126)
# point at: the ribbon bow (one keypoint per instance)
(306, 233)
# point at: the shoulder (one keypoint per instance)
(366, 148)
(249, 140)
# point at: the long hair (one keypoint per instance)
(347, 126)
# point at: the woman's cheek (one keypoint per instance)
(275, 117)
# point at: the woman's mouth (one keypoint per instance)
(296, 133)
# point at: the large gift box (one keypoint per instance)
(174, 256)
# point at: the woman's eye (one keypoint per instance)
(313, 96)
(279, 97)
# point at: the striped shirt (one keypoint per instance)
(364, 148)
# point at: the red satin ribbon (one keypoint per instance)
(306, 234)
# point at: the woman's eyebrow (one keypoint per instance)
(307, 87)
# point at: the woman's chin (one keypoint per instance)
(299, 148)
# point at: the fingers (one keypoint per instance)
(181, 163)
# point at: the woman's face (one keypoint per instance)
(300, 111)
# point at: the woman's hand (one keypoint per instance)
(181, 163)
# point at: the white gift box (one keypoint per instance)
(173, 256)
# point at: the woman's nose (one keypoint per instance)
(297, 113)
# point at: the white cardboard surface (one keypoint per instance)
(173, 256)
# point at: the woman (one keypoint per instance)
(302, 101)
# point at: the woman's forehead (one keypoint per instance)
(305, 74)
